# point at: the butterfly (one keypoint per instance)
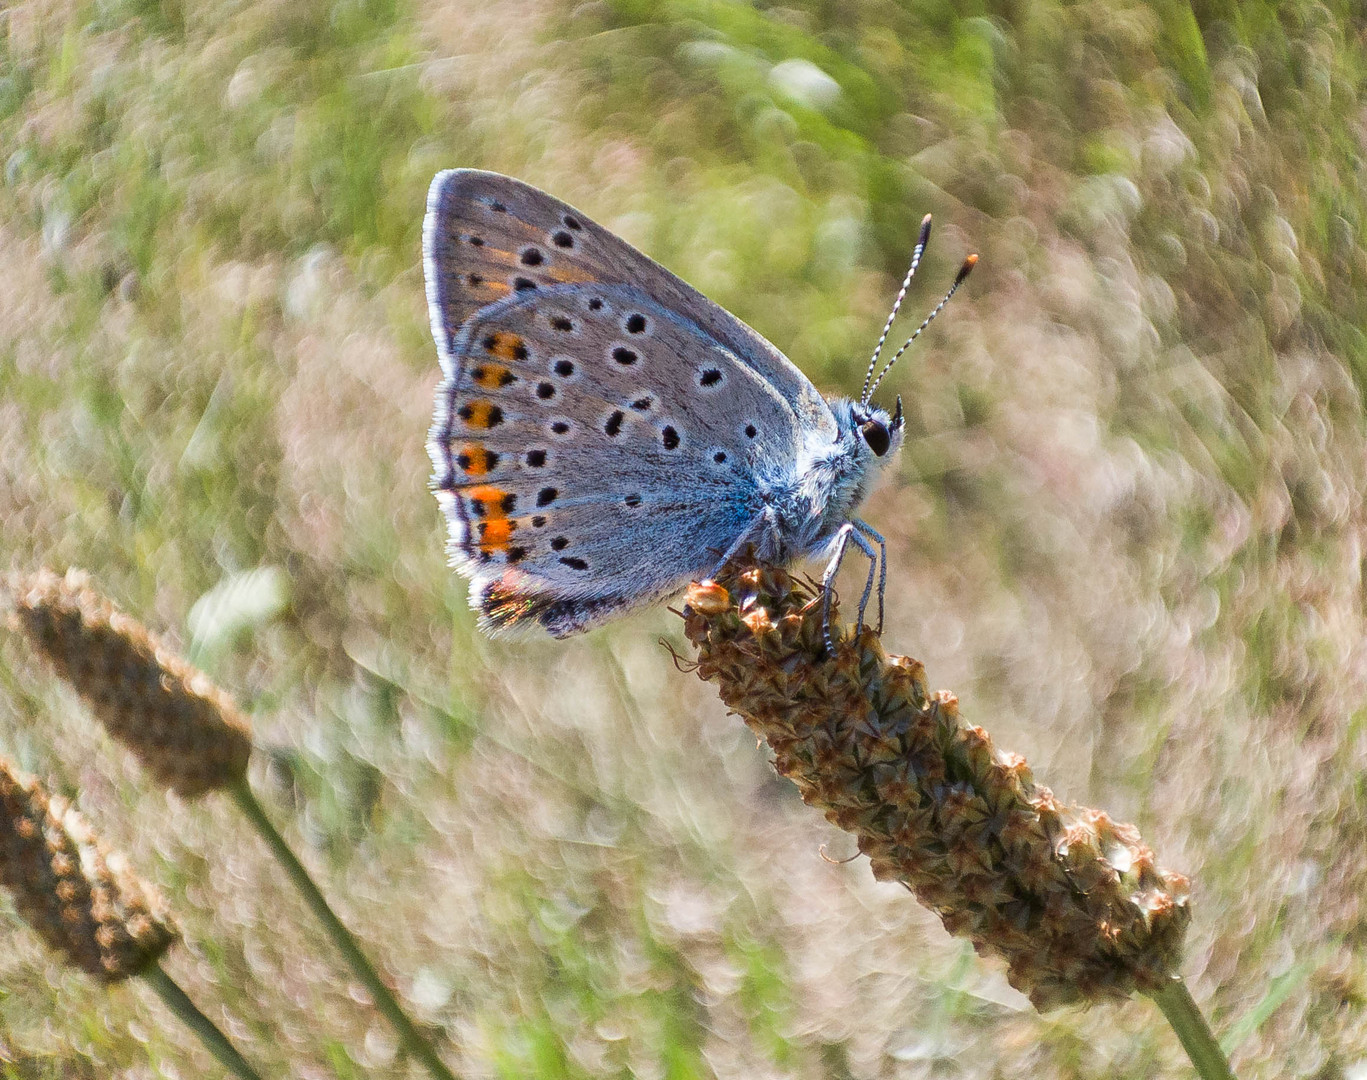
(605, 434)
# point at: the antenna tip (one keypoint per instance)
(925, 222)
(925, 231)
(966, 269)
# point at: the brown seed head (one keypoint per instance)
(185, 730)
(1071, 900)
(82, 900)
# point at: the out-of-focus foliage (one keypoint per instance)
(1126, 529)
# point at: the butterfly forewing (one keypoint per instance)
(510, 235)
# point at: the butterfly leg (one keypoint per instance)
(843, 537)
(868, 530)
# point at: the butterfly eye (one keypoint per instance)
(876, 435)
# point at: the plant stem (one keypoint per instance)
(1197, 1039)
(214, 1040)
(412, 1040)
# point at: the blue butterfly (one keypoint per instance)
(605, 434)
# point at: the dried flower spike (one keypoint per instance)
(82, 900)
(1072, 900)
(185, 730)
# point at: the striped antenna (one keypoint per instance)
(964, 271)
(916, 254)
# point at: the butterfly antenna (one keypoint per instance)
(916, 254)
(964, 271)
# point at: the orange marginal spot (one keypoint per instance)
(491, 505)
(475, 460)
(506, 345)
(495, 533)
(490, 497)
(492, 376)
(498, 288)
(481, 414)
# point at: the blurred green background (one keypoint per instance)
(1126, 529)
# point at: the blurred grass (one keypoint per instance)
(1127, 526)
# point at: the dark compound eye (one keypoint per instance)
(876, 435)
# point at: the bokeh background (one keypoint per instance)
(1126, 529)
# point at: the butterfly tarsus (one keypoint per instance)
(851, 531)
(877, 537)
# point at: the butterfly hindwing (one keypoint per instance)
(582, 458)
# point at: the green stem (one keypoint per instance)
(214, 1040)
(1185, 1017)
(412, 1040)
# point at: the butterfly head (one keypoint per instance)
(878, 432)
(869, 438)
